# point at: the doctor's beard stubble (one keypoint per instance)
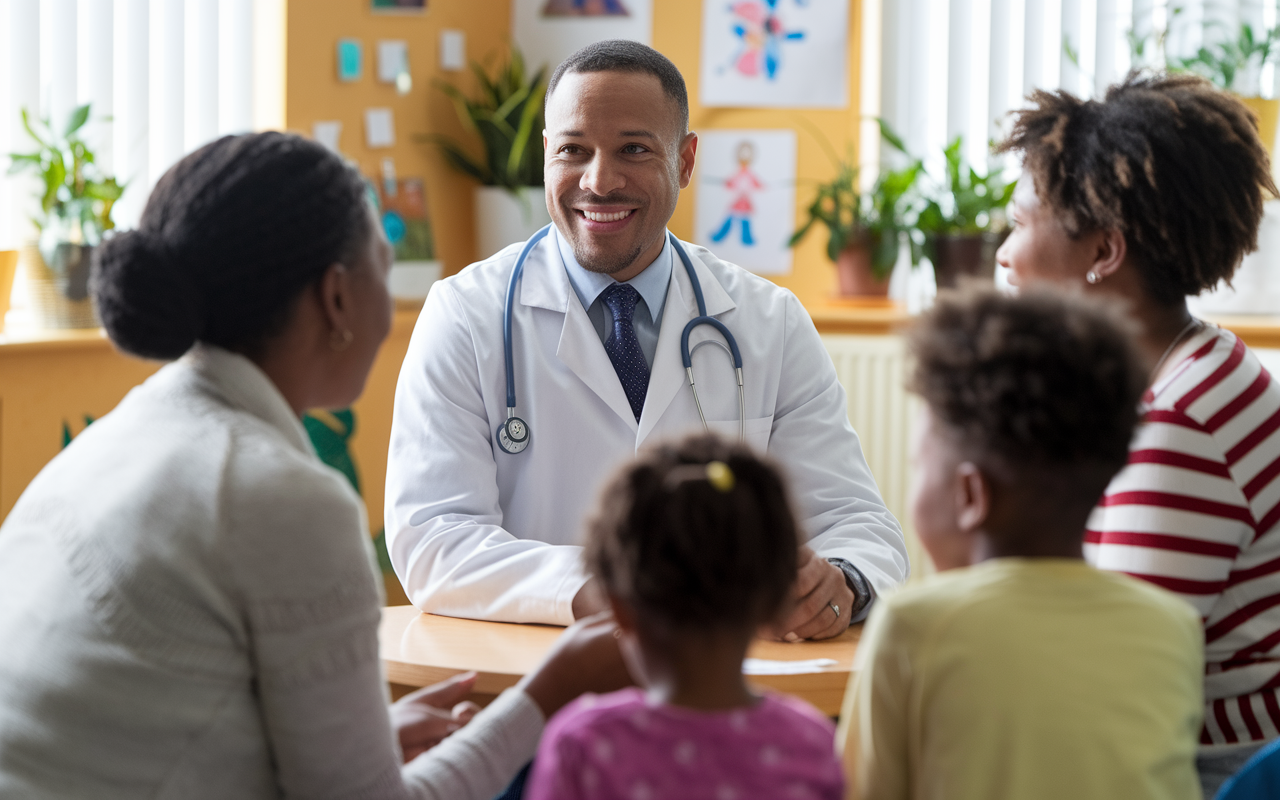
(604, 263)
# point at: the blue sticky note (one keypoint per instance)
(350, 60)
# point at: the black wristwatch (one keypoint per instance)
(857, 584)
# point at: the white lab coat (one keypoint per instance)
(475, 532)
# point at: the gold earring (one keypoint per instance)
(340, 341)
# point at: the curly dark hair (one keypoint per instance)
(687, 554)
(1038, 381)
(1168, 160)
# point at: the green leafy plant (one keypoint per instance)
(964, 202)
(873, 219)
(75, 194)
(1223, 59)
(507, 117)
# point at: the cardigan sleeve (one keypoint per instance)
(304, 566)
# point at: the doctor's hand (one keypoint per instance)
(585, 658)
(424, 718)
(820, 588)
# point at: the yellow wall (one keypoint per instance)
(313, 92)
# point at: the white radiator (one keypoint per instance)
(872, 370)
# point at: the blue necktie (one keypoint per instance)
(623, 347)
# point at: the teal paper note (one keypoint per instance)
(350, 59)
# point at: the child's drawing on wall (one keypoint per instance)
(745, 207)
(743, 185)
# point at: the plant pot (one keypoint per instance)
(853, 273)
(1268, 113)
(8, 268)
(60, 298)
(959, 256)
(504, 218)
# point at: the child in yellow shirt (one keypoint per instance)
(1019, 671)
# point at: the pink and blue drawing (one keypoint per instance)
(761, 32)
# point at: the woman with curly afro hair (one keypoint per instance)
(1148, 196)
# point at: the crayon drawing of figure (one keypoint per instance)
(761, 33)
(742, 185)
(585, 8)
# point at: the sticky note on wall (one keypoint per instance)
(350, 60)
(393, 59)
(379, 127)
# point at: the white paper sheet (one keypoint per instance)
(379, 127)
(765, 666)
(746, 204)
(783, 54)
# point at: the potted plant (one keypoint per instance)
(506, 116)
(1231, 60)
(864, 228)
(76, 199)
(963, 220)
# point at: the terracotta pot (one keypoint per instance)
(853, 272)
(965, 255)
(59, 299)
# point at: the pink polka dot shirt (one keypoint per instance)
(620, 746)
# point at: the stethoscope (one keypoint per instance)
(513, 434)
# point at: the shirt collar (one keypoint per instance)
(651, 283)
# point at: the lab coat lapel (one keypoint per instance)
(667, 376)
(546, 285)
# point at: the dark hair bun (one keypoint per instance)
(145, 301)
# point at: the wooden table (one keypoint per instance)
(420, 649)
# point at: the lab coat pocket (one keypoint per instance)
(754, 431)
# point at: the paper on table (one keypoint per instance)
(765, 666)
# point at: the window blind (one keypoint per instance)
(164, 77)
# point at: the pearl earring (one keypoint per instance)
(1093, 277)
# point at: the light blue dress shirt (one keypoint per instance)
(651, 283)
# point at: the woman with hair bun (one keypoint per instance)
(1147, 197)
(188, 606)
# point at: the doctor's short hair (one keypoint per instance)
(1170, 161)
(230, 237)
(696, 535)
(623, 55)
(1038, 385)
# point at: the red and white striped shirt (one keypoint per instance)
(1196, 510)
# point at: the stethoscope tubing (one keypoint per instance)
(686, 354)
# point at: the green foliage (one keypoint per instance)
(74, 191)
(507, 118)
(1223, 59)
(874, 219)
(964, 202)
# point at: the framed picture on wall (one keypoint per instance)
(398, 6)
(775, 53)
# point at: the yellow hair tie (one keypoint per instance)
(720, 476)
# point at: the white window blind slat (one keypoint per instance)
(200, 73)
(94, 83)
(131, 124)
(167, 83)
(235, 66)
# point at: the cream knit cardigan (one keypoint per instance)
(188, 609)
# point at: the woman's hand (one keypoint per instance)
(584, 659)
(424, 718)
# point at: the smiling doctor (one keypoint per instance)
(595, 348)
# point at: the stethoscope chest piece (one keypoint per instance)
(513, 435)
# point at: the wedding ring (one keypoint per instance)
(834, 608)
